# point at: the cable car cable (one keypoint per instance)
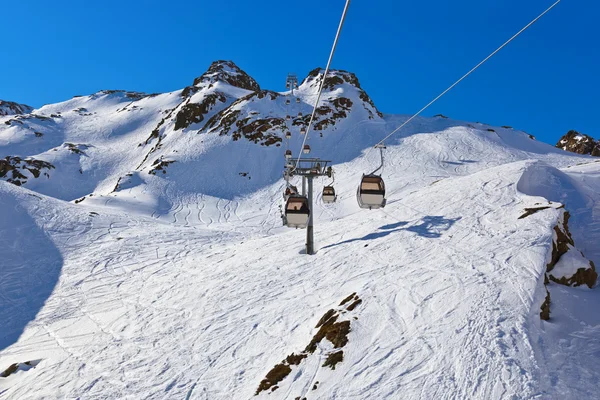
(312, 116)
(467, 74)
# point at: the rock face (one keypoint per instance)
(568, 266)
(10, 108)
(228, 72)
(335, 79)
(193, 113)
(333, 326)
(242, 119)
(579, 143)
(17, 170)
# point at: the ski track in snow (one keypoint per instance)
(176, 292)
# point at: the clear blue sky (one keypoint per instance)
(403, 52)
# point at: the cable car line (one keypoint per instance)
(371, 191)
(312, 116)
(470, 72)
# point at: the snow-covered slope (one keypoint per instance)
(11, 108)
(174, 278)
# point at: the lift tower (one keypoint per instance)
(308, 169)
(291, 82)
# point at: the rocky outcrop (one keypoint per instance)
(159, 164)
(568, 266)
(11, 108)
(331, 328)
(16, 367)
(249, 124)
(579, 143)
(228, 72)
(193, 113)
(18, 171)
(337, 78)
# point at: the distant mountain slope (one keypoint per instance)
(224, 124)
(579, 143)
(10, 108)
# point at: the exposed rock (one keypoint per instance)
(533, 210)
(17, 167)
(76, 148)
(273, 377)
(336, 78)
(568, 266)
(11, 108)
(327, 316)
(545, 308)
(26, 366)
(193, 113)
(334, 358)
(228, 72)
(347, 299)
(260, 130)
(333, 331)
(157, 165)
(579, 143)
(583, 276)
(562, 241)
(354, 305)
(130, 95)
(294, 359)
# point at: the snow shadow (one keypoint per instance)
(432, 226)
(30, 266)
(459, 162)
(429, 227)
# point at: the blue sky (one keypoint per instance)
(404, 53)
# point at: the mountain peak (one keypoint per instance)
(580, 143)
(228, 72)
(334, 77)
(11, 108)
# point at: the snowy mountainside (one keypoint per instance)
(11, 108)
(147, 258)
(451, 281)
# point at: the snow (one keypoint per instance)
(11, 108)
(185, 285)
(569, 263)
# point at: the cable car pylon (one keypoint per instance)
(308, 168)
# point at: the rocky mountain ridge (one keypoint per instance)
(11, 108)
(223, 102)
(579, 143)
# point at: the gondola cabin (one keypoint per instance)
(288, 134)
(298, 100)
(287, 102)
(297, 212)
(306, 149)
(300, 115)
(329, 194)
(371, 192)
(303, 131)
(288, 154)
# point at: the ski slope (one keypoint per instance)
(185, 285)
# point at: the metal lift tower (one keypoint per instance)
(291, 82)
(309, 168)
